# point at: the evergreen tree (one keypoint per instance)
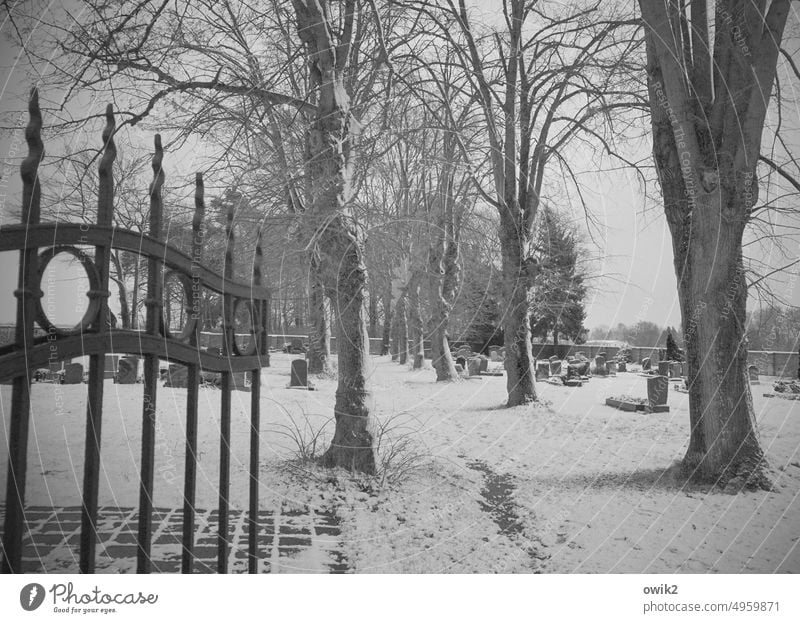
(673, 352)
(560, 283)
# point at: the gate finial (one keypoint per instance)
(29, 169)
(105, 191)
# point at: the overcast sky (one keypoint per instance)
(637, 280)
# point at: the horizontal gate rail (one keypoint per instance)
(92, 244)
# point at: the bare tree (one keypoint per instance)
(547, 75)
(709, 86)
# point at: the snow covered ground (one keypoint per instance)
(569, 485)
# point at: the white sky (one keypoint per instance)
(637, 283)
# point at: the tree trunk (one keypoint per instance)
(387, 323)
(415, 323)
(338, 242)
(134, 323)
(440, 350)
(319, 339)
(124, 311)
(373, 315)
(401, 331)
(519, 361)
(712, 290)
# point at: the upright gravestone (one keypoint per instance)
(177, 376)
(542, 370)
(73, 374)
(657, 392)
(684, 369)
(611, 368)
(484, 365)
(127, 370)
(461, 361)
(663, 368)
(674, 369)
(622, 366)
(494, 354)
(646, 364)
(752, 372)
(555, 366)
(299, 373)
(600, 365)
(474, 366)
(111, 362)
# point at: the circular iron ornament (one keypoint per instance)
(254, 329)
(94, 293)
(192, 307)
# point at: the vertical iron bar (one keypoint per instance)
(94, 403)
(28, 289)
(225, 407)
(153, 326)
(193, 382)
(258, 312)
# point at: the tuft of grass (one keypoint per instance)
(399, 450)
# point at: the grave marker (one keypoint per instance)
(600, 365)
(611, 367)
(299, 373)
(657, 393)
(127, 370)
(111, 361)
(474, 366)
(752, 374)
(675, 369)
(646, 366)
(542, 370)
(73, 374)
(555, 367)
(177, 376)
(663, 368)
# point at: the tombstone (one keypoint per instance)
(177, 376)
(611, 367)
(600, 365)
(542, 370)
(464, 352)
(474, 366)
(459, 369)
(461, 361)
(622, 366)
(663, 368)
(484, 365)
(674, 369)
(297, 346)
(494, 354)
(503, 353)
(752, 374)
(299, 373)
(553, 358)
(646, 364)
(657, 391)
(111, 362)
(127, 370)
(241, 381)
(73, 374)
(684, 369)
(555, 367)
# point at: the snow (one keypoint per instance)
(594, 489)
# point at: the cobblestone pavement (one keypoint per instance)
(289, 541)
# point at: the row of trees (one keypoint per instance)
(421, 126)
